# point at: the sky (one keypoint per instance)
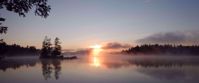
(81, 23)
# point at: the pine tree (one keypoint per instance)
(46, 48)
(57, 48)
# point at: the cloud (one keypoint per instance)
(115, 45)
(183, 37)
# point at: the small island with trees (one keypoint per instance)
(49, 52)
(22, 7)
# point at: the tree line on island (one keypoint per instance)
(48, 51)
(163, 50)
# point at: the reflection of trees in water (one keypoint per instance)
(153, 62)
(16, 63)
(165, 68)
(49, 66)
(179, 68)
(165, 62)
(162, 68)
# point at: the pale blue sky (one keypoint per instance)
(80, 23)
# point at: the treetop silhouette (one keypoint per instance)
(48, 51)
(22, 7)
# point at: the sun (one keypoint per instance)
(96, 46)
(96, 49)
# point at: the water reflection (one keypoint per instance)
(190, 73)
(164, 61)
(108, 62)
(159, 68)
(95, 57)
(49, 67)
(15, 63)
(96, 61)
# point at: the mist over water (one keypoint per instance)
(101, 69)
(99, 41)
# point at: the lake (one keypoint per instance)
(101, 69)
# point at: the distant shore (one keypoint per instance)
(163, 50)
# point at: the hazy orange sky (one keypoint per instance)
(81, 23)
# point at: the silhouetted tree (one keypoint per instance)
(48, 51)
(2, 48)
(3, 29)
(57, 48)
(46, 48)
(22, 7)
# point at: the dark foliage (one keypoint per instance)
(164, 49)
(46, 48)
(57, 48)
(48, 51)
(22, 7)
(15, 50)
(3, 29)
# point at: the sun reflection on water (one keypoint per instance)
(95, 56)
(96, 62)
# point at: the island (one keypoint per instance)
(49, 52)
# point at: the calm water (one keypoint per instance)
(101, 69)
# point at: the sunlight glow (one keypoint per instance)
(95, 52)
(96, 46)
(96, 62)
(96, 49)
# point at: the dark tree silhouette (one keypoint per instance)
(57, 49)
(46, 48)
(22, 7)
(3, 29)
(48, 51)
